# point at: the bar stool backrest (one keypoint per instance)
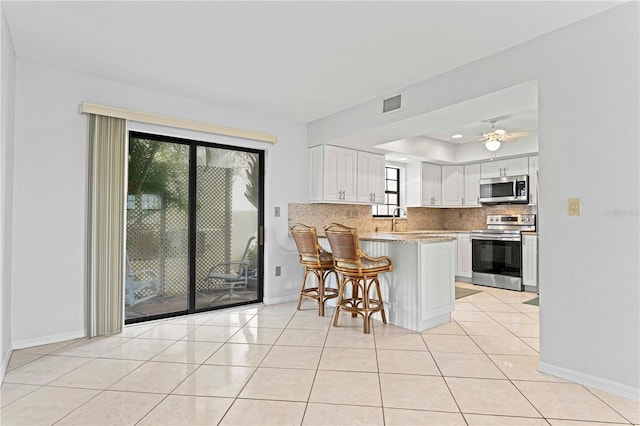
(309, 250)
(345, 244)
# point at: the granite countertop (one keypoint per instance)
(428, 231)
(401, 237)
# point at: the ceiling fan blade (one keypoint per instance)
(516, 134)
(507, 139)
(478, 138)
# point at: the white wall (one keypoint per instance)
(49, 290)
(7, 94)
(587, 76)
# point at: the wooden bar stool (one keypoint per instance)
(316, 261)
(358, 270)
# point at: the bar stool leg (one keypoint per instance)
(382, 312)
(365, 307)
(304, 281)
(341, 286)
(355, 290)
(321, 294)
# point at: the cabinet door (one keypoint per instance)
(431, 184)
(530, 260)
(509, 167)
(471, 185)
(533, 180)
(464, 256)
(516, 166)
(370, 178)
(332, 162)
(452, 185)
(491, 169)
(350, 174)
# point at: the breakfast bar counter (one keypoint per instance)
(420, 291)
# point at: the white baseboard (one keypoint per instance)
(592, 381)
(280, 299)
(45, 340)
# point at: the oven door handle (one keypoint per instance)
(494, 238)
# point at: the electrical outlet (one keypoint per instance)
(276, 211)
(574, 206)
(278, 271)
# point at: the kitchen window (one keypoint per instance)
(391, 193)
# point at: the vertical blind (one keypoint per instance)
(107, 160)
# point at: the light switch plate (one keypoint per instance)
(574, 206)
(276, 211)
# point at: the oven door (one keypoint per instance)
(496, 261)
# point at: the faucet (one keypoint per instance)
(393, 217)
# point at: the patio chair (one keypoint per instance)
(231, 276)
(140, 285)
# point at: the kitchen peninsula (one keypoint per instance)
(420, 291)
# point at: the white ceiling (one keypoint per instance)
(301, 60)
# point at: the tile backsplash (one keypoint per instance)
(418, 218)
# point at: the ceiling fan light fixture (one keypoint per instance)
(492, 145)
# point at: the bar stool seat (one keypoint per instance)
(316, 261)
(359, 275)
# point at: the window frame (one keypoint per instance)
(375, 208)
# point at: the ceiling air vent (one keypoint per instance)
(393, 103)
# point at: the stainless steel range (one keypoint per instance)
(496, 254)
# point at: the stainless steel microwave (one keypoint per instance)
(505, 190)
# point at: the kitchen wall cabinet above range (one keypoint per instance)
(432, 185)
(510, 167)
(342, 175)
(460, 185)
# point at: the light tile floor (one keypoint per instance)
(275, 365)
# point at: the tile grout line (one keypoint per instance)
(506, 376)
(443, 378)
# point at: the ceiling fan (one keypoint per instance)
(494, 138)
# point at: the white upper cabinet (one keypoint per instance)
(533, 180)
(370, 178)
(510, 167)
(452, 185)
(332, 174)
(471, 185)
(431, 185)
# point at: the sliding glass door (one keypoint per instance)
(194, 215)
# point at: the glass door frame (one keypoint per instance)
(192, 223)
